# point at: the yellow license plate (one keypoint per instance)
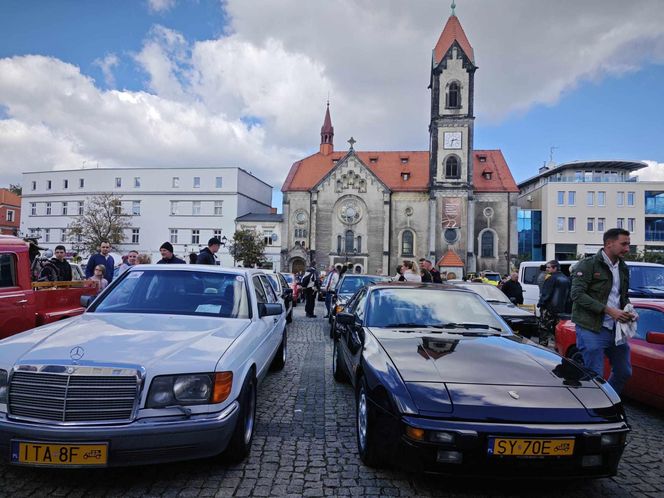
(530, 447)
(57, 454)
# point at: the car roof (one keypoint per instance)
(198, 268)
(420, 285)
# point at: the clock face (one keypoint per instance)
(301, 217)
(452, 140)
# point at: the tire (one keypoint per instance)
(289, 316)
(240, 444)
(279, 359)
(365, 427)
(295, 301)
(574, 354)
(338, 369)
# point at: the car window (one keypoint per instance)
(7, 270)
(488, 292)
(177, 292)
(350, 284)
(288, 277)
(359, 305)
(649, 321)
(530, 274)
(281, 278)
(261, 297)
(269, 289)
(274, 281)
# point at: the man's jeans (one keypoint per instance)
(594, 345)
(328, 301)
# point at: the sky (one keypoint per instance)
(191, 83)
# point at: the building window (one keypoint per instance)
(217, 207)
(49, 184)
(571, 224)
(571, 198)
(137, 181)
(34, 185)
(487, 244)
(267, 237)
(10, 215)
(196, 207)
(578, 176)
(452, 167)
(631, 224)
(135, 235)
(620, 223)
(174, 236)
(33, 209)
(218, 182)
(195, 236)
(81, 182)
(560, 225)
(601, 199)
(197, 182)
(136, 208)
(590, 199)
(176, 182)
(339, 239)
(47, 234)
(407, 243)
(359, 243)
(174, 208)
(80, 207)
(349, 242)
(453, 95)
(64, 208)
(217, 233)
(65, 184)
(118, 182)
(591, 225)
(620, 199)
(48, 208)
(561, 198)
(117, 207)
(630, 198)
(601, 222)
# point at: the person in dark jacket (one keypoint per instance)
(435, 274)
(512, 289)
(599, 293)
(101, 258)
(207, 255)
(552, 301)
(61, 264)
(167, 256)
(311, 285)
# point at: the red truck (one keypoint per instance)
(25, 304)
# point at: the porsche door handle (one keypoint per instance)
(21, 302)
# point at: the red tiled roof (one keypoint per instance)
(387, 166)
(450, 259)
(9, 198)
(492, 161)
(451, 33)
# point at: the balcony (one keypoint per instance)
(594, 179)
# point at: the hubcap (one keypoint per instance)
(251, 410)
(362, 419)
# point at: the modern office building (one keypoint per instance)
(184, 206)
(565, 209)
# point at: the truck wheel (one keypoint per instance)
(240, 443)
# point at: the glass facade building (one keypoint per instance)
(529, 228)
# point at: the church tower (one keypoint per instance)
(327, 134)
(451, 143)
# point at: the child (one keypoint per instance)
(98, 278)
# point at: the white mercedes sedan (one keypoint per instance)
(163, 366)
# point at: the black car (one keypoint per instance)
(347, 286)
(521, 321)
(284, 291)
(443, 385)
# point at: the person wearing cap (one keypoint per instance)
(167, 256)
(207, 254)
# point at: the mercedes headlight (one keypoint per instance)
(189, 389)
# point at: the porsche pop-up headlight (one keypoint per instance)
(4, 386)
(189, 389)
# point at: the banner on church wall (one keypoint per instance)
(451, 212)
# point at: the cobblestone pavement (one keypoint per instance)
(305, 446)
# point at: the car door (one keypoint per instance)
(279, 321)
(265, 326)
(647, 376)
(352, 335)
(17, 305)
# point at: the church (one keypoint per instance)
(370, 210)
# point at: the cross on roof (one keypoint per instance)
(453, 7)
(352, 142)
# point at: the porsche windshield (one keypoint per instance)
(351, 283)
(450, 311)
(177, 293)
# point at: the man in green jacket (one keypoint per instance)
(599, 294)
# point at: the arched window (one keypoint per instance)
(487, 244)
(350, 238)
(339, 238)
(407, 243)
(452, 167)
(358, 245)
(454, 95)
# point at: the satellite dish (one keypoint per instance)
(274, 237)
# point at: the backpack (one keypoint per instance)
(306, 280)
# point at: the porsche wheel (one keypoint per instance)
(365, 428)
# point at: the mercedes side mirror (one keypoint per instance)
(269, 309)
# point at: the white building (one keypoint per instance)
(268, 225)
(183, 206)
(565, 210)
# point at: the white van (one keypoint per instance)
(646, 280)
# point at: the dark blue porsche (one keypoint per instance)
(443, 385)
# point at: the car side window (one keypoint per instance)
(269, 290)
(281, 278)
(649, 321)
(530, 275)
(359, 304)
(260, 291)
(7, 270)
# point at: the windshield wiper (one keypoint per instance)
(468, 325)
(409, 325)
(497, 301)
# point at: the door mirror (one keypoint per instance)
(269, 309)
(288, 292)
(86, 300)
(655, 337)
(345, 318)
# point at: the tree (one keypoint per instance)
(102, 219)
(15, 189)
(248, 246)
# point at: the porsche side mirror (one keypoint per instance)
(655, 337)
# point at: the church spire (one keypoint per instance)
(453, 32)
(327, 134)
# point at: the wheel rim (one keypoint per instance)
(251, 411)
(362, 419)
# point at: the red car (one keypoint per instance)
(647, 352)
(292, 283)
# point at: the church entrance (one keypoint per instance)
(297, 265)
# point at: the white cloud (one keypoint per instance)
(159, 6)
(653, 172)
(106, 65)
